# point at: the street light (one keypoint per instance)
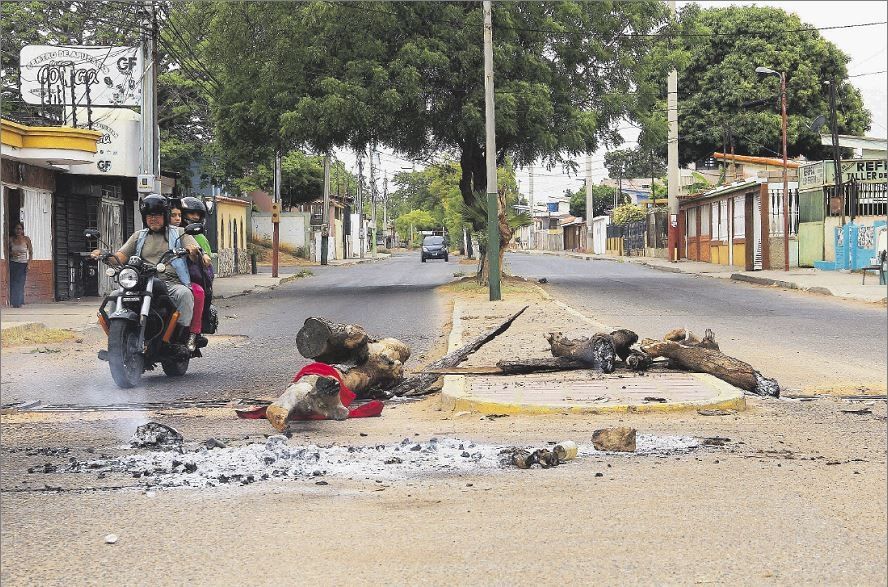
(782, 76)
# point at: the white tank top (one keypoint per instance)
(18, 253)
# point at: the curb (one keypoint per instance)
(455, 397)
(256, 288)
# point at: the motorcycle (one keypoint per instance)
(142, 326)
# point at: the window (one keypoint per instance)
(723, 220)
(692, 222)
(713, 209)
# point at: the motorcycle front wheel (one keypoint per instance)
(127, 363)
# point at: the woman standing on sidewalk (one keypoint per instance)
(20, 254)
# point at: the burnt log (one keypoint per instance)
(330, 342)
(687, 338)
(714, 362)
(418, 384)
(312, 394)
(638, 360)
(382, 370)
(623, 340)
(596, 352)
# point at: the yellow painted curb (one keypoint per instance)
(455, 398)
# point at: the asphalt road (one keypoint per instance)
(255, 349)
(808, 342)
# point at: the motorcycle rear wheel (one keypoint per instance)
(127, 364)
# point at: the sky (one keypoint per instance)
(867, 47)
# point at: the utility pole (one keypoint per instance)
(275, 216)
(150, 160)
(373, 200)
(532, 243)
(493, 233)
(361, 203)
(325, 227)
(590, 206)
(785, 175)
(385, 197)
(672, 159)
(837, 157)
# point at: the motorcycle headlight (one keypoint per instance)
(128, 278)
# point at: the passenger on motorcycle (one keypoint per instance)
(192, 211)
(156, 239)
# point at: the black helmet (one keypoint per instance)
(155, 204)
(191, 204)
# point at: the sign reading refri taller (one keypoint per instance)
(822, 173)
(80, 76)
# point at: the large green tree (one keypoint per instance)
(717, 51)
(409, 75)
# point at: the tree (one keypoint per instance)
(626, 213)
(409, 75)
(603, 197)
(634, 163)
(717, 51)
(407, 224)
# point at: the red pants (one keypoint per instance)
(197, 319)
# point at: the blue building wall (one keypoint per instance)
(855, 246)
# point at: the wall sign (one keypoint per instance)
(77, 76)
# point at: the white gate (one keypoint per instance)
(110, 225)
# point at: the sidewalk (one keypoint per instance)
(265, 268)
(563, 392)
(81, 314)
(840, 284)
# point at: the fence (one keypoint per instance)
(631, 237)
(858, 199)
(657, 229)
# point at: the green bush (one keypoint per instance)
(626, 213)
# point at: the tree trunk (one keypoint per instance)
(329, 342)
(312, 394)
(596, 352)
(383, 369)
(706, 360)
(419, 382)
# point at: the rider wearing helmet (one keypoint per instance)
(156, 239)
(193, 211)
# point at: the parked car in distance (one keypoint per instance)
(434, 247)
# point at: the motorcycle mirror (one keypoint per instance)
(195, 228)
(92, 233)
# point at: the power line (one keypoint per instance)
(870, 73)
